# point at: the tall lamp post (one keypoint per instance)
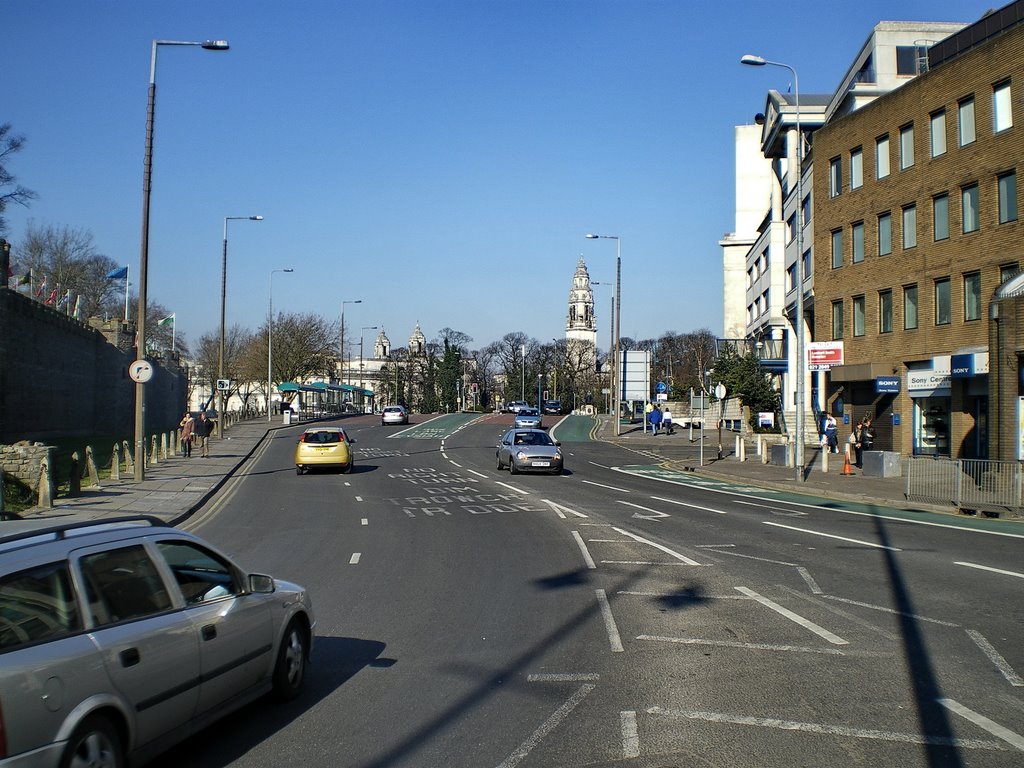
(223, 297)
(611, 330)
(364, 328)
(617, 386)
(353, 301)
(147, 178)
(801, 384)
(270, 335)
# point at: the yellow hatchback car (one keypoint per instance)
(324, 447)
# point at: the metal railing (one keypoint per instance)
(973, 484)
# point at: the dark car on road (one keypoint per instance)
(552, 406)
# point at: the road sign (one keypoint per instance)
(720, 391)
(223, 385)
(141, 371)
(661, 387)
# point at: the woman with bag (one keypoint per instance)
(188, 428)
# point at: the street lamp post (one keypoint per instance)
(617, 386)
(223, 302)
(147, 178)
(270, 335)
(353, 301)
(801, 384)
(522, 395)
(364, 328)
(611, 331)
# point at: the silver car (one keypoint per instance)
(121, 637)
(529, 450)
(528, 418)
(394, 414)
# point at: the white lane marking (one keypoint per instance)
(753, 557)
(805, 623)
(359, 498)
(996, 658)
(549, 725)
(560, 509)
(602, 466)
(520, 491)
(832, 730)
(583, 548)
(712, 546)
(1000, 731)
(811, 583)
(609, 487)
(840, 612)
(364, 521)
(666, 550)
(693, 506)
(990, 569)
(677, 595)
(746, 646)
(630, 734)
(609, 621)
(555, 677)
(354, 559)
(348, 484)
(655, 514)
(455, 464)
(478, 474)
(833, 536)
(641, 562)
(445, 455)
(609, 541)
(882, 608)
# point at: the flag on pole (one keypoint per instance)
(169, 320)
(117, 274)
(52, 297)
(64, 299)
(78, 307)
(25, 279)
(41, 289)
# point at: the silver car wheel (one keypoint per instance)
(94, 744)
(290, 672)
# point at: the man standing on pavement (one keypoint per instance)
(204, 428)
(655, 418)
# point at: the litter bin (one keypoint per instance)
(287, 415)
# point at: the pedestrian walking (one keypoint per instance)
(203, 429)
(666, 420)
(655, 417)
(831, 434)
(187, 430)
(867, 438)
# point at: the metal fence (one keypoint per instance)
(973, 484)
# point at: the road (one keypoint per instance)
(620, 614)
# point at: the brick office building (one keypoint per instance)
(915, 231)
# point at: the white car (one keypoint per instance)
(394, 414)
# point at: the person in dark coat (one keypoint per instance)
(204, 428)
(655, 418)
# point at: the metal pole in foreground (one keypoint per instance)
(223, 302)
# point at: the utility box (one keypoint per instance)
(881, 464)
(779, 455)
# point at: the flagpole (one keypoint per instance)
(174, 328)
(127, 269)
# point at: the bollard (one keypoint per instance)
(824, 459)
(760, 441)
(742, 448)
(154, 458)
(75, 478)
(46, 489)
(163, 446)
(90, 467)
(176, 442)
(115, 462)
(129, 460)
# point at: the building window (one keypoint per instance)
(805, 209)
(882, 157)
(906, 146)
(908, 58)
(835, 177)
(858, 315)
(790, 229)
(884, 234)
(808, 263)
(1002, 113)
(856, 168)
(972, 296)
(969, 201)
(942, 302)
(910, 226)
(940, 215)
(965, 122)
(750, 313)
(885, 311)
(1006, 271)
(909, 307)
(837, 320)
(938, 133)
(1008, 197)
(750, 277)
(858, 242)
(791, 278)
(837, 249)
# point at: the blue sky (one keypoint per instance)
(441, 160)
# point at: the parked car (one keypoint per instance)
(394, 414)
(524, 450)
(515, 406)
(121, 637)
(324, 447)
(528, 418)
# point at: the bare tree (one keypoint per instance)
(10, 190)
(69, 260)
(305, 346)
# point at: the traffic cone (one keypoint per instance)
(847, 469)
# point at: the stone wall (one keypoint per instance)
(23, 461)
(60, 378)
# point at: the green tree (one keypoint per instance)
(744, 377)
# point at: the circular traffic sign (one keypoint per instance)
(141, 371)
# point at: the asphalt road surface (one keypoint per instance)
(619, 614)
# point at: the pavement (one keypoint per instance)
(176, 487)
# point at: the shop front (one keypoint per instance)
(929, 385)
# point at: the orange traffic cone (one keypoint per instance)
(847, 469)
